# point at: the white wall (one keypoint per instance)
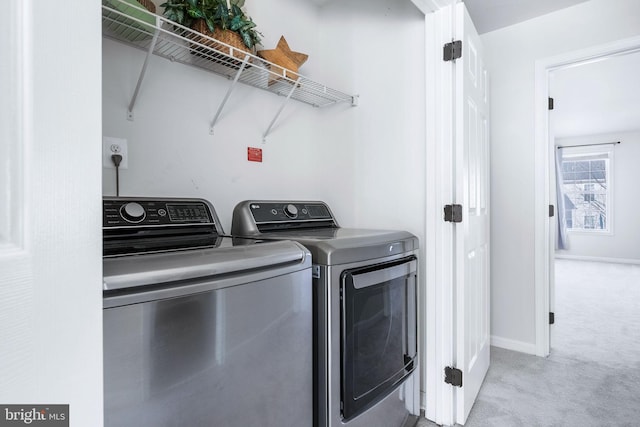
(596, 97)
(511, 54)
(622, 243)
(379, 49)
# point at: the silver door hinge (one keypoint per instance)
(452, 51)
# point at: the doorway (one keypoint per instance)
(547, 135)
(595, 131)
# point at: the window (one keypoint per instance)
(589, 195)
(590, 222)
(586, 175)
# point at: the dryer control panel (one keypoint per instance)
(269, 211)
(253, 217)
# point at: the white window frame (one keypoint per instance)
(569, 152)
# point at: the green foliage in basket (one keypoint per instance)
(222, 14)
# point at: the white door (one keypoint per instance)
(457, 324)
(50, 208)
(471, 247)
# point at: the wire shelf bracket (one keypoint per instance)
(284, 103)
(143, 71)
(228, 94)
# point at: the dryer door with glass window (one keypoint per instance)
(378, 332)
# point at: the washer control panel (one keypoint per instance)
(289, 211)
(123, 212)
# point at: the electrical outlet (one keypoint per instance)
(112, 146)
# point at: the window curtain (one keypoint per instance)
(561, 234)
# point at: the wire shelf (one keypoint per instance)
(155, 34)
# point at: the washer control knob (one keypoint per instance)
(132, 212)
(291, 211)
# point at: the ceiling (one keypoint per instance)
(489, 15)
(598, 97)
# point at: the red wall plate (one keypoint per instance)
(254, 154)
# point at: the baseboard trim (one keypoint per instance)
(598, 259)
(507, 344)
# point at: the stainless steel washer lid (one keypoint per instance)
(225, 260)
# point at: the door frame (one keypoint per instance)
(544, 174)
(437, 399)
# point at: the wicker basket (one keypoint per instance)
(148, 4)
(229, 37)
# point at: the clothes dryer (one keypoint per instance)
(365, 311)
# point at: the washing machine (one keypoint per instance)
(202, 330)
(365, 311)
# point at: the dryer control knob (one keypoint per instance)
(291, 211)
(133, 212)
